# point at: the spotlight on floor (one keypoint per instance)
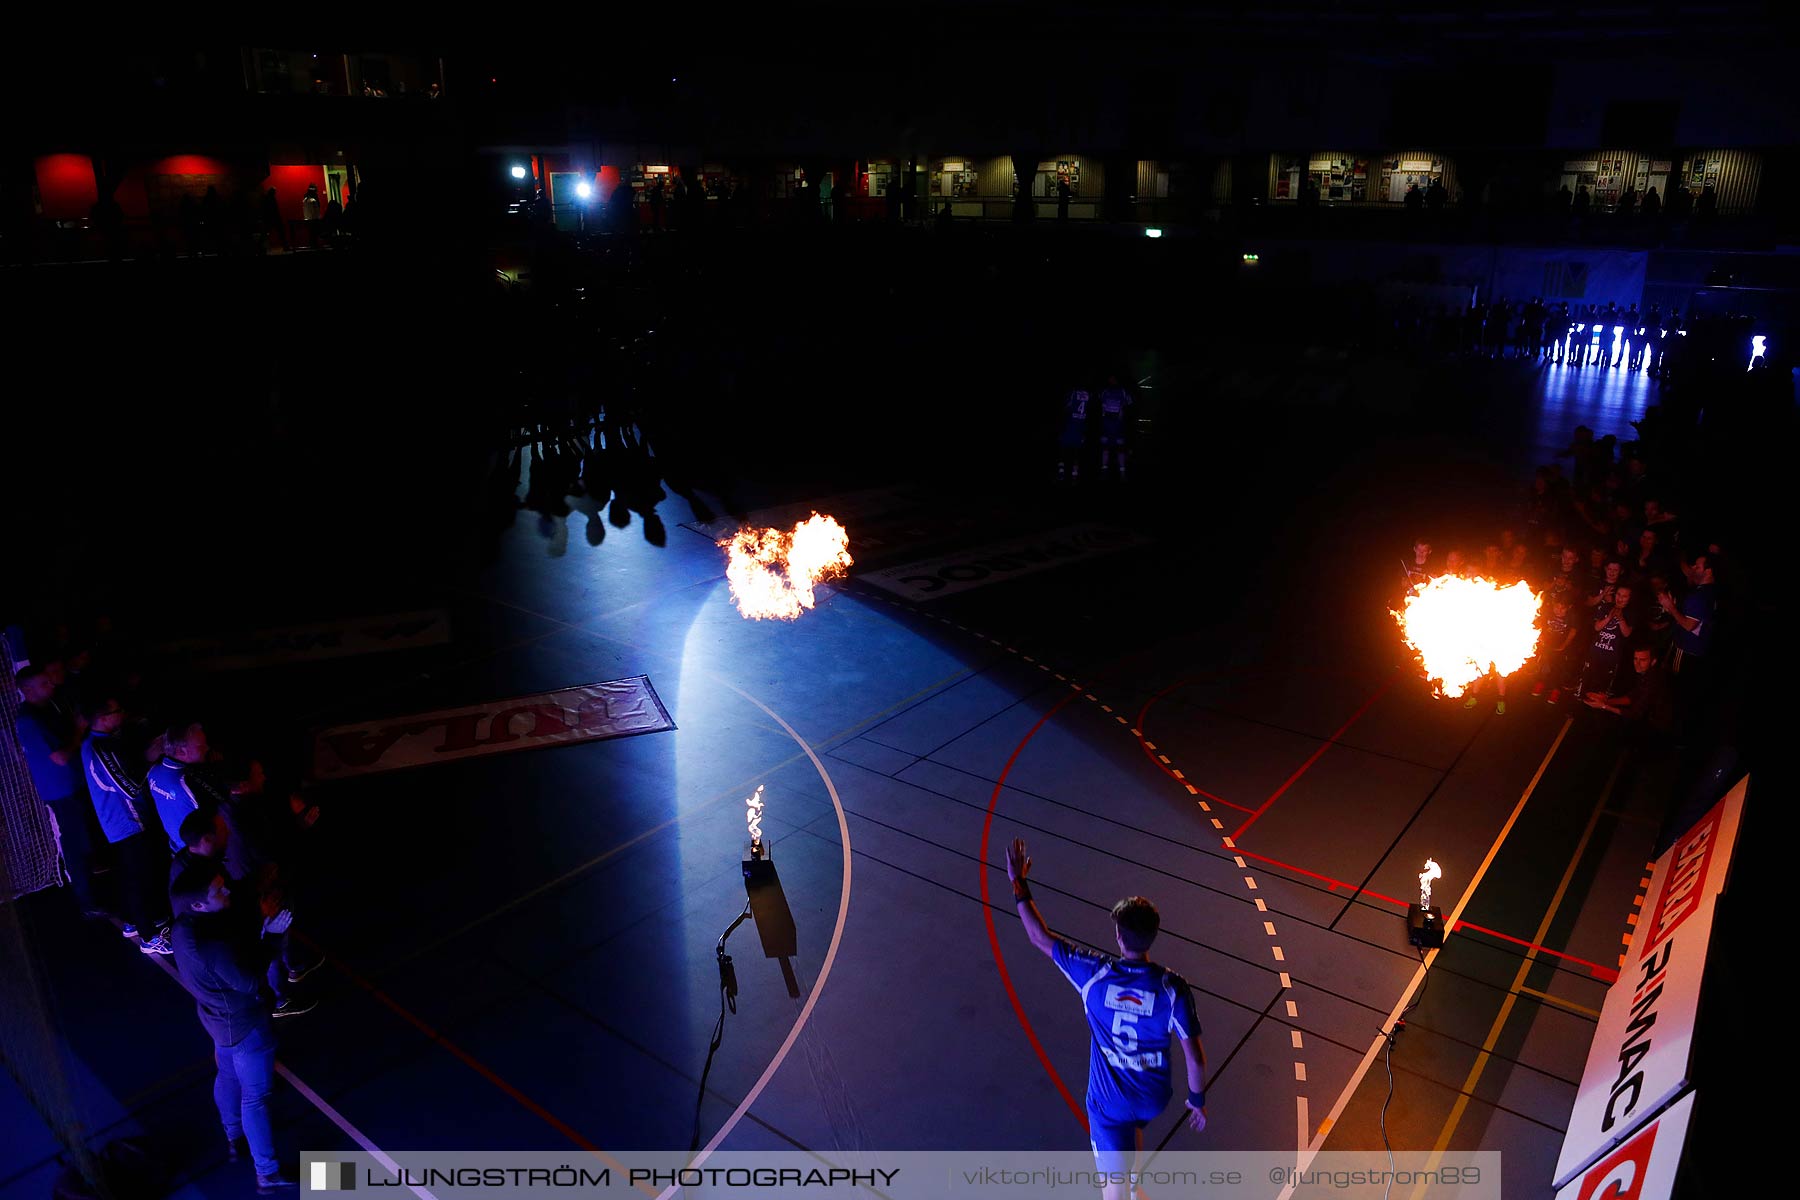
(1424, 920)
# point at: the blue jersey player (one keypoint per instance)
(1137, 1012)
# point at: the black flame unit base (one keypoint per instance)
(1425, 926)
(768, 905)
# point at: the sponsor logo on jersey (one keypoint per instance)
(1128, 999)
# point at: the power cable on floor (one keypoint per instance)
(728, 990)
(1392, 1035)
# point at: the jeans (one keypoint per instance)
(241, 1090)
(72, 840)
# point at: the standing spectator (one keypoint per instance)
(1437, 196)
(1693, 616)
(1581, 201)
(1417, 569)
(217, 965)
(1652, 205)
(1568, 579)
(1612, 576)
(52, 746)
(1554, 646)
(1612, 630)
(1634, 337)
(179, 784)
(116, 784)
(1650, 555)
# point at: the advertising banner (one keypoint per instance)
(1638, 1061)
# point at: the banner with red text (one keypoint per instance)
(620, 708)
(1638, 1061)
(1644, 1167)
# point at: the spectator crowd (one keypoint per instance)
(1630, 602)
(190, 851)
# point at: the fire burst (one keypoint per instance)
(772, 573)
(753, 811)
(1463, 628)
(1432, 871)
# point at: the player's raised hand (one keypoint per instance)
(1017, 861)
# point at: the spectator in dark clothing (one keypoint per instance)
(1708, 205)
(217, 964)
(1612, 630)
(1414, 199)
(1641, 697)
(1555, 646)
(1581, 200)
(1694, 619)
(52, 746)
(1436, 196)
(115, 781)
(1650, 559)
(1652, 204)
(1562, 201)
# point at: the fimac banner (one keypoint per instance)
(618, 708)
(1639, 1058)
(1644, 1165)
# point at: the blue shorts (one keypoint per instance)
(1115, 1142)
(1112, 431)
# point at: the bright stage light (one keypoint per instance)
(1252, 258)
(585, 190)
(1152, 232)
(1758, 344)
(518, 172)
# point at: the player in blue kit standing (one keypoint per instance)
(1073, 442)
(1135, 1011)
(1115, 404)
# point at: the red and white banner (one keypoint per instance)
(1644, 1167)
(620, 708)
(1638, 1061)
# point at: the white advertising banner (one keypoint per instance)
(1638, 1061)
(993, 563)
(619, 708)
(1644, 1167)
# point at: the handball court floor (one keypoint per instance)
(522, 946)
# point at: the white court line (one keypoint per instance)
(837, 935)
(317, 1101)
(1311, 1150)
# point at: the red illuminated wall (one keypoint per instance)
(609, 179)
(66, 185)
(290, 183)
(189, 164)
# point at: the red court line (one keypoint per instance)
(1606, 973)
(987, 912)
(1144, 712)
(475, 1064)
(1316, 755)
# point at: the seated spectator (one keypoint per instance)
(1693, 617)
(1641, 697)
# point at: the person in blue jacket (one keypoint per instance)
(114, 775)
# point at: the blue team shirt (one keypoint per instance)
(1135, 1011)
(177, 789)
(42, 731)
